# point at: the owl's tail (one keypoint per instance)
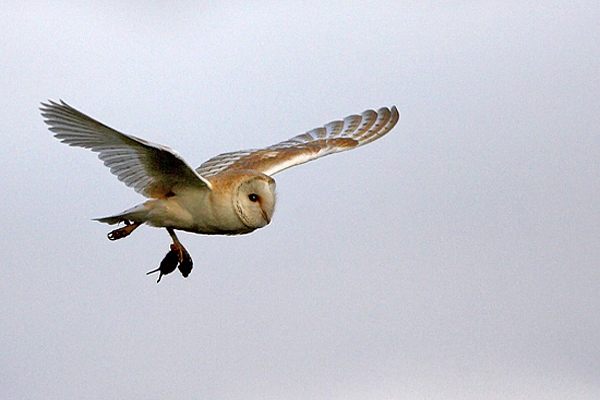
(137, 214)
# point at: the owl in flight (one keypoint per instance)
(230, 194)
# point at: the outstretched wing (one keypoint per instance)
(150, 169)
(336, 136)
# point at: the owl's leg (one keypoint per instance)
(177, 257)
(185, 260)
(124, 231)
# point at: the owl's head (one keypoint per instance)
(254, 200)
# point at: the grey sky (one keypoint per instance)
(456, 258)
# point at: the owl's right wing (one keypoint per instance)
(336, 136)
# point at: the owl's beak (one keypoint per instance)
(265, 216)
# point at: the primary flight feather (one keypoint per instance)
(231, 193)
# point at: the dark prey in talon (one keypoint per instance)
(168, 264)
(186, 264)
(177, 257)
(229, 194)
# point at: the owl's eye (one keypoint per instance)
(253, 197)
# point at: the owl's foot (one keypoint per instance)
(124, 231)
(177, 257)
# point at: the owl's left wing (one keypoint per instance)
(334, 137)
(149, 168)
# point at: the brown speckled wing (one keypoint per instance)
(334, 137)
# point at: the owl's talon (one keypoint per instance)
(185, 260)
(124, 231)
(177, 257)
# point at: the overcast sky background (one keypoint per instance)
(456, 258)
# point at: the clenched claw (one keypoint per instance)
(177, 257)
(168, 264)
(124, 231)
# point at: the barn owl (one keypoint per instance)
(229, 194)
